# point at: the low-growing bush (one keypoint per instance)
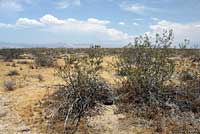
(7, 64)
(44, 60)
(9, 85)
(13, 73)
(14, 65)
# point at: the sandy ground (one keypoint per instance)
(20, 111)
(10, 121)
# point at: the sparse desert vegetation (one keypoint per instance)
(99, 67)
(146, 87)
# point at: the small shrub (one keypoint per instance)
(44, 61)
(13, 73)
(185, 75)
(40, 77)
(7, 64)
(14, 65)
(84, 90)
(22, 62)
(9, 85)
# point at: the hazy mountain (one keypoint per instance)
(46, 45)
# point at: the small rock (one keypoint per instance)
(187, 76)
(24, 129)
(3, 114)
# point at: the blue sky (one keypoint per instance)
(107, 22)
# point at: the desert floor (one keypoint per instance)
(21, 111)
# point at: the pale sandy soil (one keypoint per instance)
(21, 113)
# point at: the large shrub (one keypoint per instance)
(145, 86)
(146, 67)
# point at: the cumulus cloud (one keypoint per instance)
(91, 26)
(67, 3)
(181, 31)
(50, 19)
(28, 22)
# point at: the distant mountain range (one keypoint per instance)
(50, 45)
(46, 45)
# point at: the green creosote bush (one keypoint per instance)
(145, 67)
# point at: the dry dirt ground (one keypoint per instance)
(21, 113)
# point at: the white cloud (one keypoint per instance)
(28, 22)
(181, 31)
(135, 24)
(50, 19)
(121, 23)
(92, 27)
(71, 20)
(3, 25)
(67, 3)
(96, 21)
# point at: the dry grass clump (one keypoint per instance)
(83, 92)
(9, 85)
